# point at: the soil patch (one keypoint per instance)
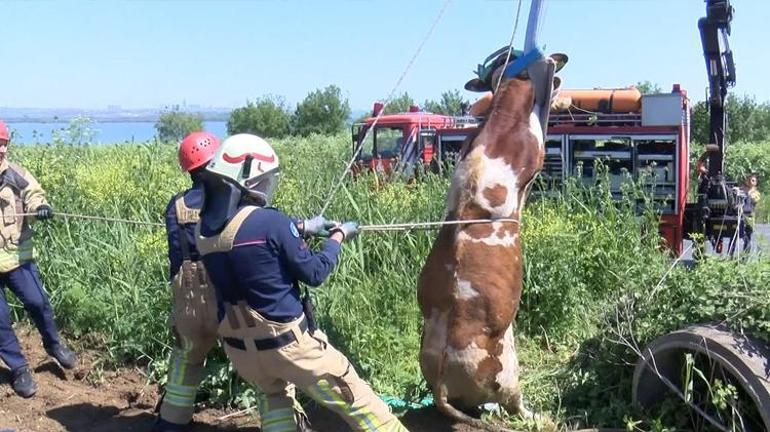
(80, 401)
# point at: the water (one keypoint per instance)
(103, 132)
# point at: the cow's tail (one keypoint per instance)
(443, 405)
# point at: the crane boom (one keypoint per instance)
(714, 30)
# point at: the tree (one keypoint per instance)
(451, 103)
(648, 87)
(267, 117)
(747, 120)
(322, 112)
(399, 104)
(174, 125)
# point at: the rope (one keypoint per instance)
(97, 218)
(336, 186)
(510, 44)
(408, 226)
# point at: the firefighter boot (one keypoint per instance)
(161, 425)
(63, 355)
(23, 383)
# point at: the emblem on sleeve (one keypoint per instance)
(293, 229)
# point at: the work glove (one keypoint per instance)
(348, 229)
(44, 212)
(317, 226)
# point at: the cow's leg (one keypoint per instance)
(510, 394)
(433, 345)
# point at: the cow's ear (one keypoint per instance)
(560, 59)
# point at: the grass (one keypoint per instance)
(584, 259)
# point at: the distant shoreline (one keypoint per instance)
(47, 120)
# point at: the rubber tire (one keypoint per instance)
(747, 359)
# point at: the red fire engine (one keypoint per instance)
(630, 132)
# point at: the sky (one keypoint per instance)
(147, 54)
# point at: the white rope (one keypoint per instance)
(336, 186)
(510, 44)
(408, 226)
(405, 226)
(96, 218)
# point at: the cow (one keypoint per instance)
(470, 285)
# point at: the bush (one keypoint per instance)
(450, 103)
(322, 112)
(174, 125)
(399, 104)
(748, 120)
(268, 117)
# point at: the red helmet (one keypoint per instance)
(197, 149)
(4, 135)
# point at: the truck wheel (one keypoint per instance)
(718, 354)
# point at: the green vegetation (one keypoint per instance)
(322, 112)
(174, 125)
(268, 117)
(748, 120)
(399, 103)
(594, 272)
(745, 158)
(450, 103)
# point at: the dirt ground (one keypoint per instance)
(121, 401)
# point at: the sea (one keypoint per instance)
(99, 132)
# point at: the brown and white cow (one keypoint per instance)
(470, 286)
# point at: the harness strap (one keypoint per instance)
(224, 241)
(520, 64)
(182, 217)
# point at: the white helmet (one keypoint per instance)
(249, 162)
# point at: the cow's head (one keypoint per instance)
(504, 65)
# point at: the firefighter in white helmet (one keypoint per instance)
(256, 258)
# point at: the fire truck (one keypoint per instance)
(635, 136)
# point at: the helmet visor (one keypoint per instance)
(263, 186)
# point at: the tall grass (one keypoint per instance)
(583, 254)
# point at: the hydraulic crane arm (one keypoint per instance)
(721, 74)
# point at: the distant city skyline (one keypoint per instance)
(96, 55)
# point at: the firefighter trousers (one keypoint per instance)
(194, 323)
(24, 282)
(304, 360)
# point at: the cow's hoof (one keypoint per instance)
(527, 414)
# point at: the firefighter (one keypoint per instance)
(194, 315)
(256, 257)
(749, 205)
(702, 167)
(20, 193)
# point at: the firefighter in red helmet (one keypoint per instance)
(194, 308)
(20, 193)
(5, 136)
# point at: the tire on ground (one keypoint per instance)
(747, 359)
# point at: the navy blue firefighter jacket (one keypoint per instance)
(193, 198)
(267, 260)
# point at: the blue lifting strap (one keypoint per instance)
(523, 62)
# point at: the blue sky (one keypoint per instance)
(221, 53)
